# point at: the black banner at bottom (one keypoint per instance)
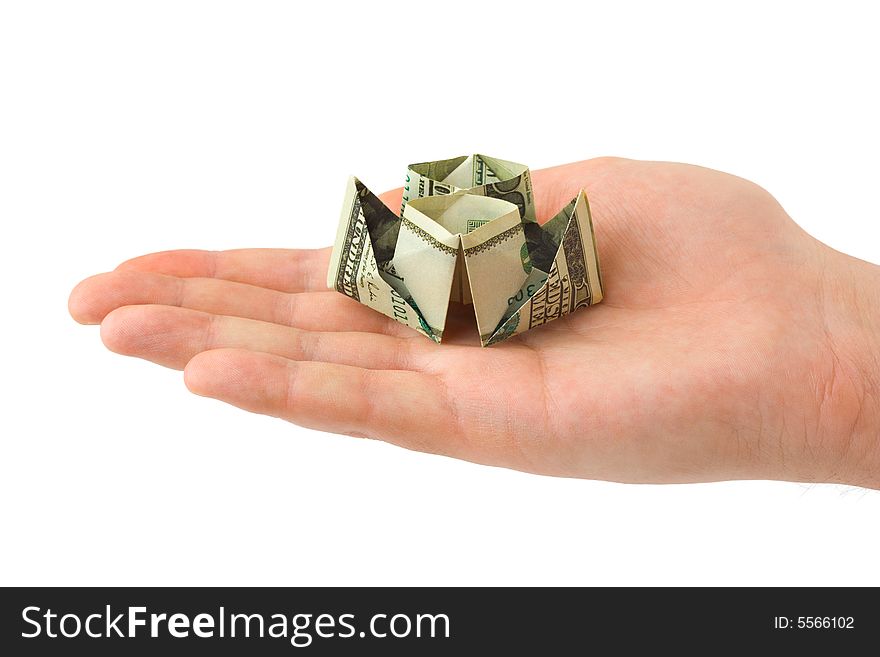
(435, 621)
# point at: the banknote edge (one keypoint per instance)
(600, 287)
(341, 230)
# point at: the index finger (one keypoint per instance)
(285, 270)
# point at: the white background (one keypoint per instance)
(133, 127)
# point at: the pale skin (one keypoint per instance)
(730, 344)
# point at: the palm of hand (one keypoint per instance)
(677, 376)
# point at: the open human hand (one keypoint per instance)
(730, 343)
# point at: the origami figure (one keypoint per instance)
(466, 233)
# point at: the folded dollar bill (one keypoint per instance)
(466, 232)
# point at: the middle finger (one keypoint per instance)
(326, 310)
(171, 336)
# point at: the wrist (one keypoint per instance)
(848, 413)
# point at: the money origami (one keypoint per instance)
(466, 232)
